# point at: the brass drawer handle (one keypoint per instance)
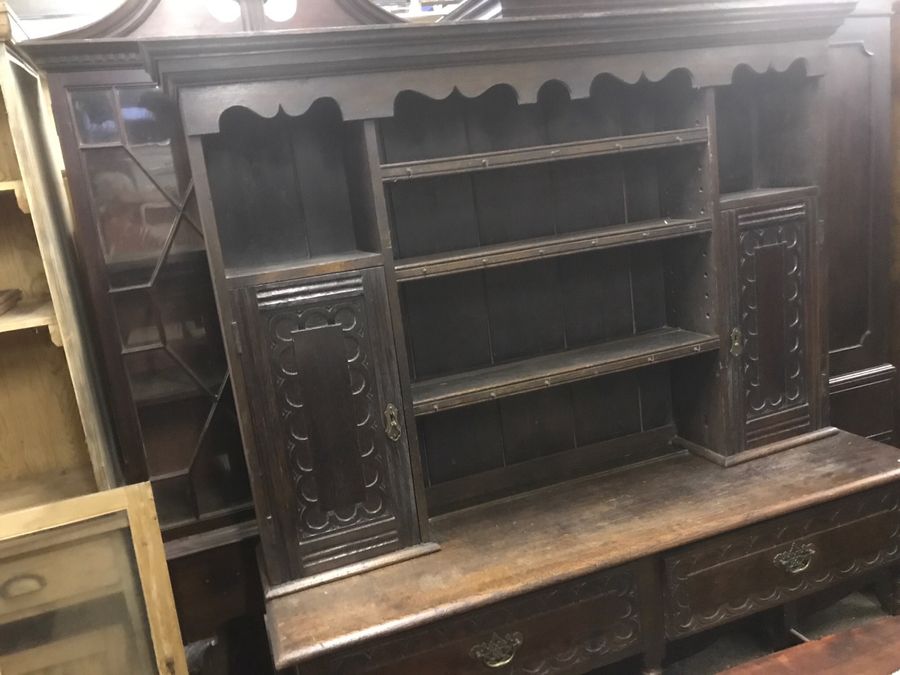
(392, 422)
(498, 651)
(22, 585)
(797, 558)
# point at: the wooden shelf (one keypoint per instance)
(518, 377)
(29, 314)
(486, 161)
(239, 277)
(18, 187)
(546, 247)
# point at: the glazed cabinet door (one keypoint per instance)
(324, 399)
(775, 339)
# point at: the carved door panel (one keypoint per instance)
(772, 341)
(323, 391)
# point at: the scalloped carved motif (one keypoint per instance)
(617, 627)
(772, 251)
(777, 541)
(292, 309)
(202, 108)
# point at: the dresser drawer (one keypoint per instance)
(50, 579)
(569, 628)
(768, 564)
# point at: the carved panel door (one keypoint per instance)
(774, 339)
(323, 393)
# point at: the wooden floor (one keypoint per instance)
(871, 649)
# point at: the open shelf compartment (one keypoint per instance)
(538, 372)
(766, 130)
(491, 188)
(290, 195)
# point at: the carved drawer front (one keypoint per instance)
(766, 565)
(772, 338)
(323, 390)
(570, 628)
(31, 584)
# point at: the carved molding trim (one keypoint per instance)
(132, 14)
(202, 107)
(303, 308)
(126, 18)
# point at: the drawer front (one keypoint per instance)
(766, 565)
(570, 628)
(45, 581)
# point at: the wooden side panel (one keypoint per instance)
(858, 224)
(854, 195)
(29, 125)
(863, 402)
(322, 381)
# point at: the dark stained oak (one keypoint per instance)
(549, 370)
(869, 649)
(497, 551)
(541, 154)
(495, 255)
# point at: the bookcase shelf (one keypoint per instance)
(32, 314)
(554, 152)
(518, 377)
(547, 247)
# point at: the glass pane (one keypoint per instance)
(134, 217)
(172, 431)
(148, 114)
(156, 378)
(71, 602)
(159, 162)
(138, 320)
(151, 128)
(219, 474)
(95, 116)
(183, 292)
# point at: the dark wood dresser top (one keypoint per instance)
(495, 551)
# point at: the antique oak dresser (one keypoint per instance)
(525, 323)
